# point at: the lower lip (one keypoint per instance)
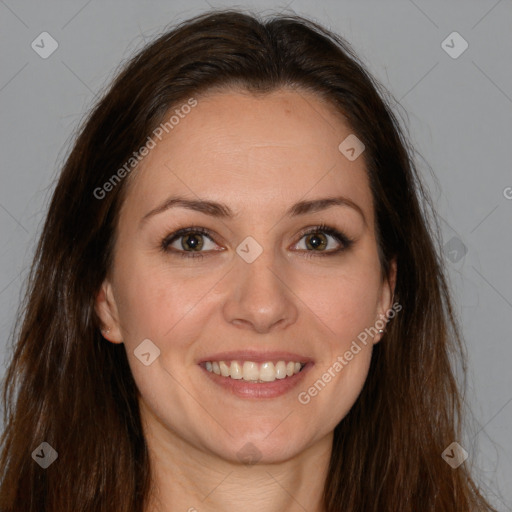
(247, 389)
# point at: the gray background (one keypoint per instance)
(459, 115)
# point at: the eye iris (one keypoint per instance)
(315, 241)
(194, 241)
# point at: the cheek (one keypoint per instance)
(332, 389)
(347, 305)
(160, 302)
(346, 302)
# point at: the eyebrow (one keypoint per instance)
(222, 211)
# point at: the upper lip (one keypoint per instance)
(256, 356)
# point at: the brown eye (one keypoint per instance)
(316, 241)
(191, 244)
(192, 241)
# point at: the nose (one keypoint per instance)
(260, 296)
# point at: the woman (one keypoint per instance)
(237, 298)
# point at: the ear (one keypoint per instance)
(386, 297)
(106, 308)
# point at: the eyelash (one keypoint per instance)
(322, 228)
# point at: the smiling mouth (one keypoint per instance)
(268, 371)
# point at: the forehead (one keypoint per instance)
(254, 152)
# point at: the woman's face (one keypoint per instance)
(259, 290)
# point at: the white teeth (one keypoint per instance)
(224, 369)
(280, 370)
(235, 371)
(268, 372)
(254, 372)
(250, 371)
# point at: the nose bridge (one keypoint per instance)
(259, 296)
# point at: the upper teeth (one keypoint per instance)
(248, 370)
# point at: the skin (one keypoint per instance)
(258, 155)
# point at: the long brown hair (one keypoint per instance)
(69, 387)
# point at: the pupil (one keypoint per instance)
(315, 241)
(194, 242)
